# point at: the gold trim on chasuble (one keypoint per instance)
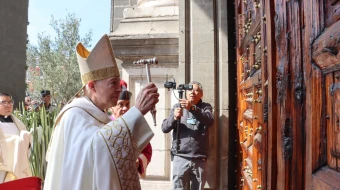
(10, 177)
(119, 142)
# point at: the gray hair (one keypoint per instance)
(198, 84)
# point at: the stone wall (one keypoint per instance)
(13, 39)
(117, 8)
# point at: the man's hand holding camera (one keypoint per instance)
(178, 113)
(186, 104)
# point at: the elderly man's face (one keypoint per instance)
(6, 105)
(195, 94)
(122, 107)
(107, 91)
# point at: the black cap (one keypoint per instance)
(125, 95)
(45, 93)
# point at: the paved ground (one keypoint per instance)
(155, 185)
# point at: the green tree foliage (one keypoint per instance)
(52, 64)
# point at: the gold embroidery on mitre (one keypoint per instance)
(100, 74)
(119, 142)
(98, 64)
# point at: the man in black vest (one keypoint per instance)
(191, 152)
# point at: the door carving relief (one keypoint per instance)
(251, 53)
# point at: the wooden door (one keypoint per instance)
(323, 93)
(288, 93)
(252, 62)
(304, 85)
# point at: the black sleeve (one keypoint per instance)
(169, 123)
(204, 115)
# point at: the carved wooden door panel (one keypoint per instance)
(251, 66)
(326, 55)
(288, 94)
(323, 114)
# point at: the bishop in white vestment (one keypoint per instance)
(87, 149)
(90, 152)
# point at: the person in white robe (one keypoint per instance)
(14, 143)
(88, 150)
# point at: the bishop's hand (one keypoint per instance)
(147, 98)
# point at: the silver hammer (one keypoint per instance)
(147, 63)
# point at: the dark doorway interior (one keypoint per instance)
(233, 135)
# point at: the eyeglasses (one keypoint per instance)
(4, 103)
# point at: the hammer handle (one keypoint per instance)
(148, 75)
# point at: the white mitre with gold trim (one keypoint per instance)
(98, 64)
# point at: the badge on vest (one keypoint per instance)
(191, 121)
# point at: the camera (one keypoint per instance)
(184, 87)
(170, 85)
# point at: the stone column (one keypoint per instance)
(13, 39)
(203, 63)
(222, 95)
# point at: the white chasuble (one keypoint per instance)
(87, 151)
(14, 146)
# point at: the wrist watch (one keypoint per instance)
(193, 108)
